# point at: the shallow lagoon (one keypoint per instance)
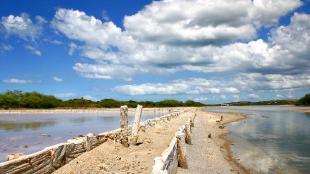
(271, 140)
(31, 132)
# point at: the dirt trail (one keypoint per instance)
(208, 155)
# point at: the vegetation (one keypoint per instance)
(268, 102)
(304, 101)
(19, 99)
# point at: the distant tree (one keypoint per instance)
(193, 103)
(304, 101)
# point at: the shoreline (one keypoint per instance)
(225, 144)
(228, 148)
(83, 110)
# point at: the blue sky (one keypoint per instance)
(143, 50)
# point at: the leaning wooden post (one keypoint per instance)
(136, 125)
(124, 125)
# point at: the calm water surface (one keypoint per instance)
(28, 133)
(272, 139)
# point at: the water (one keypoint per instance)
(28, 133)
(272, 139)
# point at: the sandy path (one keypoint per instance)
(205, 155)
(114, 158)
(197, 151)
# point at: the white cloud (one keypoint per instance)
(279, 96)
(200, 39)
(66, 95)
(201, 99)
(89, 97)
(205, 21)
(253, 96)
(17, 81)
(23, 26)
(257, 81)
(57, 79)
(186, 86)
(33, 50)
(72, 48)
(104, 71)
(56, 42)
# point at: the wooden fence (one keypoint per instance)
(53, 157)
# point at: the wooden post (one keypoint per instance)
(181, 151)
(188, 138)
(124, 125)
(136, 125)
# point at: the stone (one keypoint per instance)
(14, 156)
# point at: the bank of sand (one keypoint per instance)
(111, 157)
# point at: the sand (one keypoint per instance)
(205, 155)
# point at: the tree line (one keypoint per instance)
(304, 101)
(18, 99)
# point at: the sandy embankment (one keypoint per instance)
(111, 157)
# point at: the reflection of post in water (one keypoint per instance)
(124, 125)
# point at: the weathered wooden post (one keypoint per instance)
(124, 125)
(181, 151)
(90, 141)
(188, 138)
(136, 125)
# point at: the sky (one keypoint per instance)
(203, 50)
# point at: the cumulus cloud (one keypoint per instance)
(104, 71)
(181, 86)
(205, 22)
(57, 79)
(23, 26)
(201, 38)
(17, 81)
(257, 81)
(33, 50)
